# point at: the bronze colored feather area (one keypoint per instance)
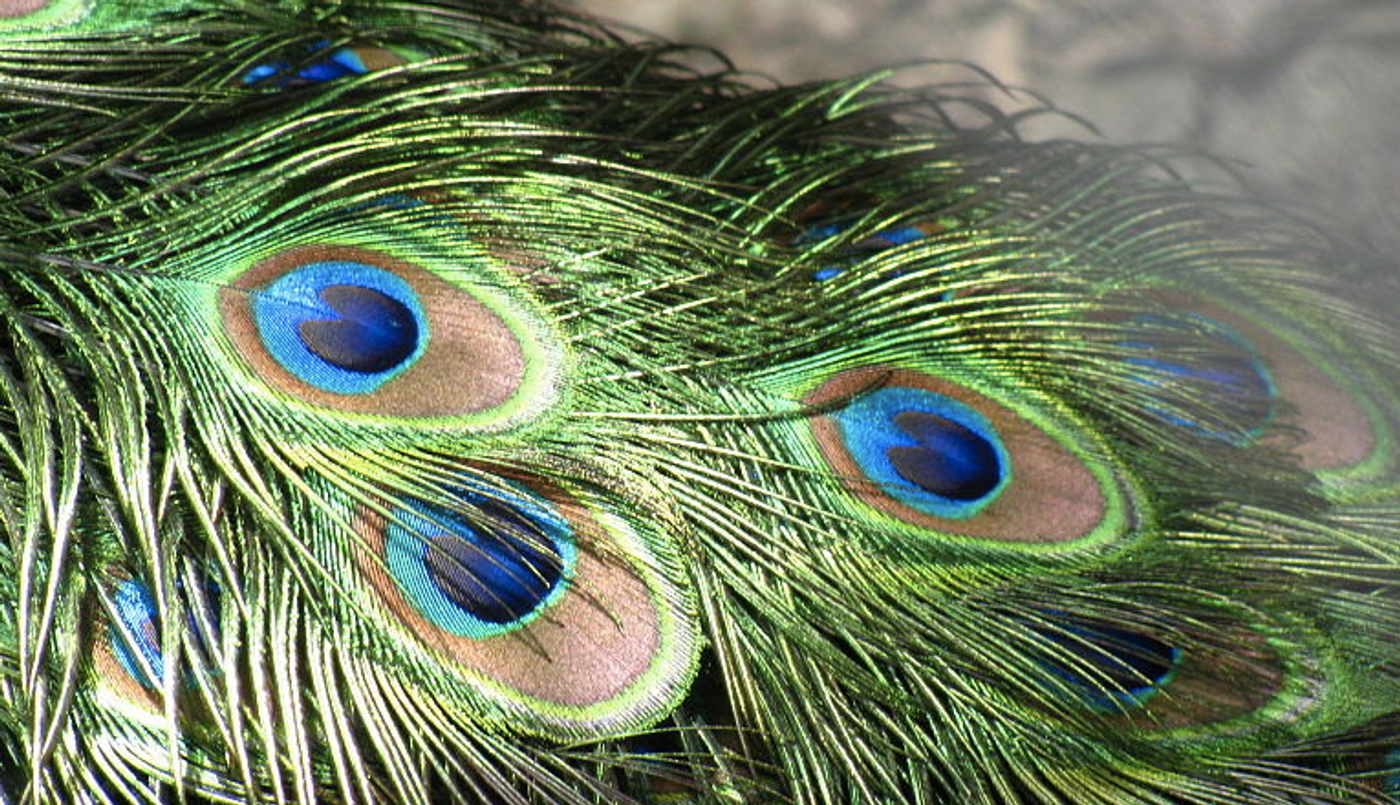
(21, 8)
(471, 361)
(1049, 495)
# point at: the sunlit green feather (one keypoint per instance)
(446, 402)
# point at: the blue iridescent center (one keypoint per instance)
(341, 326)
(897, 236)
(1111, 669)
(136, 609)
(926, 450)
(339, 63)
(482, 571)
(1245, 396)
(951, 460)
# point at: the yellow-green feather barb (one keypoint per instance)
(445, 402)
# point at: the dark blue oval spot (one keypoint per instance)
(1242, 397)
(498, 570)
(951, 459)
(136, 609)
(374, 333)
(1111, 669)
(926, 450)
(484, 570)
(341, 326)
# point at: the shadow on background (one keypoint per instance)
(1304, 94)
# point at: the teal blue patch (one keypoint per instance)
(341, 326)
(1392, 769)
(339, 63)
(137, 611)
(872, 432)
(1242, 388)
(486, 570)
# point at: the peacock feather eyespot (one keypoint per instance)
(545, 606)
(357, 331)
(484, 575)
(926, 449)
(1327, 406)
(342, 326)
(1242, 396)
(947, 458)
(1176, 681)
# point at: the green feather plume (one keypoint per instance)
(446, 402)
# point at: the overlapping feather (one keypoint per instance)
(430, 402)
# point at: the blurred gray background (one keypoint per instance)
(1304, 93)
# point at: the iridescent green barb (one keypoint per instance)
(445, 402)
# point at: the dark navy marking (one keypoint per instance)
(341, 326)
(1246, 393)
(884, 239)
(374, 332)
(928, 451)
(1392, 773)
(951, 460)
(1112, 670)
(483, 574)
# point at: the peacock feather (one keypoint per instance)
(444, 401)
